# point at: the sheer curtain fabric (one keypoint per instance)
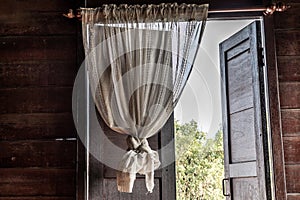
(139, 58)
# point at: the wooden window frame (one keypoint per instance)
(226, 11)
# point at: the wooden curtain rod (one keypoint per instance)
(268, 10)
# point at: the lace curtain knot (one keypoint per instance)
(138, 145)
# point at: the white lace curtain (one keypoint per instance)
(139, 58)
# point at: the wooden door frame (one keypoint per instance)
(272, 81)
(273, 95)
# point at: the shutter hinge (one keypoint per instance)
(261, 57)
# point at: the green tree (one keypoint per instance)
(199, 163)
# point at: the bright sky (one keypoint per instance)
(201, 100)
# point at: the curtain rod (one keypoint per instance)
(268, 10)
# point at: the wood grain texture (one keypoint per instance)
(237, 50)
(36, 198)
(288, 19)
(36, 23)
(244, 169)
(274, 109)
(292, 178)
(242, 138)
(27, 74)
(288, 43)
(167, 155)
(10, 8)
(292, 150)
(112, 173)
(59, 154)
(38, 65)
(36, 126)
(37, 182)
(30, 100)
(139, 191)
(288, 68)
(240, 91)
(247, 188)
(293, 196)
(58, 48)
(290, 122)
(289, 94)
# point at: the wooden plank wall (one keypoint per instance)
(37, 70)
(287, 37)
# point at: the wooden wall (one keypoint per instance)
(287, 40)
(38, 63)
(37, 70)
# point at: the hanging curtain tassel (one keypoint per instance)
(140, 158)
(125, 181)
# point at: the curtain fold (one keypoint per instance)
(139, 58)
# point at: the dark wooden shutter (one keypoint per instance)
(244, 115)
(98, 180)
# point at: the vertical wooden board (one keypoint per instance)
(292, 150)
(242, 138)
(274, 105)
(288, 68)
(95, 161)
(168, 180)
(95, 179)
(243, 150)
(246, 188)
(292, 178)
(240, 91)
(139, 191)
(36, 126)
(288, 43)
(289, 94)
(290, 121)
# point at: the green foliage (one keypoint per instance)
(199, 163)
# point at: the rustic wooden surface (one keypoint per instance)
(37, 69)
(243, 107)
(274, 109)
(290, 122)
(37, 182)
(287, 35)
(288, 68)
(41, 73)
(34, 30)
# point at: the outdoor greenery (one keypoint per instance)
(199, 163)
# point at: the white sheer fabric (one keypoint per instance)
(139, 59)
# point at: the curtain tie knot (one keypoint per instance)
(138, 145)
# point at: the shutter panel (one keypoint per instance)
(243, 113)
(99, 181)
